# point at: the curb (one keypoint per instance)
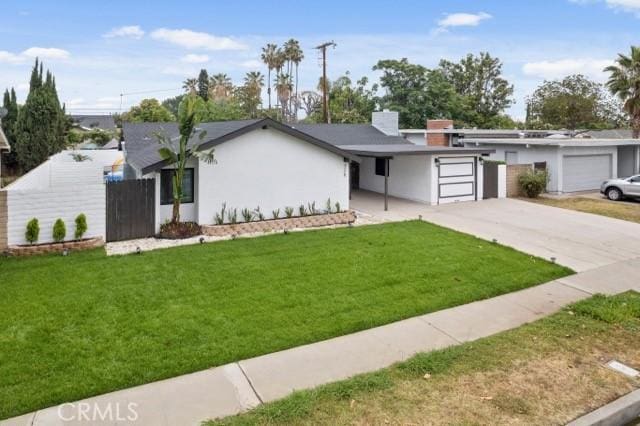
(619, 412)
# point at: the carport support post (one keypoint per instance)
(386, 184)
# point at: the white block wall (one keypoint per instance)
(47, 205)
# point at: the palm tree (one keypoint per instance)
(190, 85)
(624, 82)
(253, 83)
(220, 86)
(293, 56)
(284, 88)
(268, 56)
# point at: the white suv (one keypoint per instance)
(617, 189)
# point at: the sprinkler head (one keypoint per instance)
(201, 240)
(65, 252)
(138, 250)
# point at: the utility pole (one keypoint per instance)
(325, 97)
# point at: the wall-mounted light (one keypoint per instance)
(481, 160)
(437, 162)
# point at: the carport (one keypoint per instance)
(426, 174)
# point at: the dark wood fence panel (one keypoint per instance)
(131, 209)
(490, 180)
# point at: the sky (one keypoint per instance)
(100, 50)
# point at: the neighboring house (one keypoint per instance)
(576, 161)
(267, 164)
(67, 184)
(4, 147)
(93, 122)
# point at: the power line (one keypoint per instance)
(143, 92)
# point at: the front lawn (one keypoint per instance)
(86, 324)
(617, 210)
(547, 372)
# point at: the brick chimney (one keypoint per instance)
(435, 138)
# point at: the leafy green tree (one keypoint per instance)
(190, 113)
(348, 102)
(203, 84)
(41, 125)
(149, 110)
(225, 109)
(10, 103)
(624, 82)
(573, 102)
(171, 104)
(418, 93)
(479, 80)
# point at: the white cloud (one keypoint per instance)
(563, 67)
(195, 59)
(10, 58)
(46, 53)
(632, 6)
(463, 19)
(252, 63)
(196, 40)
(128, 31)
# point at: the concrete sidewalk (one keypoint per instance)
(232, 388)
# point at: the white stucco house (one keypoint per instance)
(575, 161)
(270, 165)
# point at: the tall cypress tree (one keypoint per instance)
(40, 128)
(203, 84)
(10, 103)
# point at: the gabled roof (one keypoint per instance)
(4, 143)
(350, 134)
(142, 146)
(88, 122)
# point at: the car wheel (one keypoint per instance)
(614, 194)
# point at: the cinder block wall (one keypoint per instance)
(513, 171)
(4, 218)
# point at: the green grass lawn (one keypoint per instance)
(82, 325)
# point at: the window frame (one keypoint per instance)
(169, 172)
(377, 165)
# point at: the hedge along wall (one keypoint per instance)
(48, 204)
(513, 172)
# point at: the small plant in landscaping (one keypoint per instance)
(533, 183)
(258, 214)
(338, 209)
(328, 205)
(275, 213)
(311, 208)
(59, 231)
(301, 210)
(247, 215)
(33, 231)
(219, 217)
(81, 226)
(233, 216)
(288, 211)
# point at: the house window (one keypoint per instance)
(380, 162)
(166, 186)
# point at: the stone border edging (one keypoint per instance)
(619, 412)
(279, 224)
(35, 249)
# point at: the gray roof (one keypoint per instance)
(610, 134)
(4, 143)
(141, 143)
(103, 122)
(350, 134)
(386, 151)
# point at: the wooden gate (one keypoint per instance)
(490, 180)
(131, 211)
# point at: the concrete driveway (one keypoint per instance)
(578, 240)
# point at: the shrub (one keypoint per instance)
(247, 215)
(533, 183)
(59, 231)
(328, 205)
(301, 210)
(288, 211)
(219, 217)
(311, 208)
(275, 213)
(258, 214)
(338, 210)
(233, 216)
(81, 226)
(33, 231)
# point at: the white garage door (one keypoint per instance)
(585, 172)
(456, 179)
